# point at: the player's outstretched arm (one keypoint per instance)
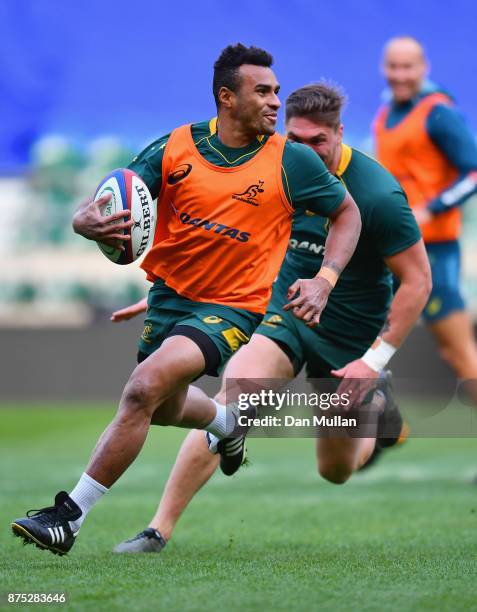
(89, 223)
(340, 245)
(129, 312)
(412, 269)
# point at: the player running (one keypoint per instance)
(423, 141)
(354, 339)
(225, 202)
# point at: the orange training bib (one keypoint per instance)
(221, 233)
(408, 152)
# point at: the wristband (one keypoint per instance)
(328, 274)
(378, 355)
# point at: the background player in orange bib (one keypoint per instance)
(423, 141)
(221, 234)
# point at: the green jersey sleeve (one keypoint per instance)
(307, 182)
(148, 165)
(393, 223)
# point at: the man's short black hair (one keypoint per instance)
(230, 60)
(322, 102)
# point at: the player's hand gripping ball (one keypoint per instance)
(128, 192)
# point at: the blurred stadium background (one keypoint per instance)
(84, 87)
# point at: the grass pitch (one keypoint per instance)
(402, 536)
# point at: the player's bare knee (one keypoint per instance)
(139, 395)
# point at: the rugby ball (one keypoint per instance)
(128, 192)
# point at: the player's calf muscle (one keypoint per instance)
(337, 458)
(337, 472)
(170, 412)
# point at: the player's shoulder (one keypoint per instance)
(155, 149)
(203, 129)
(370, 172)
(444, 113)
(441, 102)
(438, 92)
(152, 150)
(384, 208)
(374, 188)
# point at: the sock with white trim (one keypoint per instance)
(86, 493)
(223, 423)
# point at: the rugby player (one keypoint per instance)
(424, 142)
(361, 327)
(225, 202)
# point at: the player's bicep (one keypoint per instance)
(410, 264)
(327, 199)
(346, 203)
